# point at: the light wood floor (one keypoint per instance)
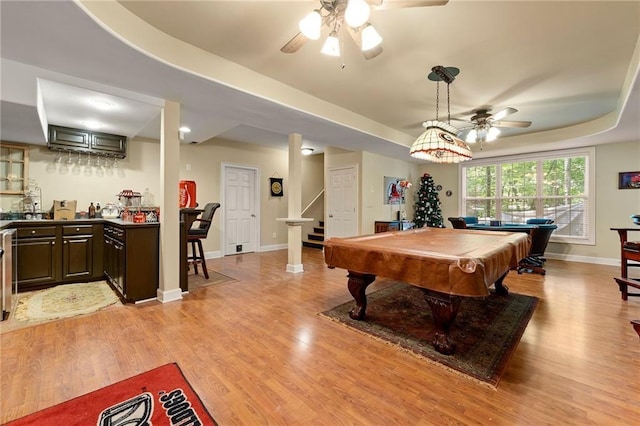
(257, 353)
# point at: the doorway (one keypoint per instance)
(241, 217)
(342, 202)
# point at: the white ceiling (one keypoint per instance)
(567, 66)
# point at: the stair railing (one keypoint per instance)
(312, 201)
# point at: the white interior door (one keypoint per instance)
(342, 202)
(241, 214)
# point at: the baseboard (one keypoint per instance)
(583, 259)
(274, 247)
(294, 268)
(169, 295)
(213, 254)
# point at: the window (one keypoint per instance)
(14, 169)
(557, 185)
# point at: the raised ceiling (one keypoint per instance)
(569, 67)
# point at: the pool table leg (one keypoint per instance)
(502, 289)
(358, 283)
(444, 308)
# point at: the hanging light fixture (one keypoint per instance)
(311, 24)
(357, 13)
(439, 142)
(331, 45)
(370, 38)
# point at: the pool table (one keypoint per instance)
(447, 264)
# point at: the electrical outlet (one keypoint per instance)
(275, 235)
(188, 166)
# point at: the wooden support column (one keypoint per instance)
(169, 288)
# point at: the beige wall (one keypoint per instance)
(374, 169)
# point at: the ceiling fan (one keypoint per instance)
(485, 125)
(352, 14)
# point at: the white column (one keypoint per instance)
(294, 235)
(169, 288)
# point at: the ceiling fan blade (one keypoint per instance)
(398, 4)
(511, 123)
(294, 44)
(503, 113)
(357, 39)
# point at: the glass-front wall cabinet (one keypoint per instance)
(14, 169)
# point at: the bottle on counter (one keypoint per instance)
(92, 211)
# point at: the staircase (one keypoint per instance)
(316, 238)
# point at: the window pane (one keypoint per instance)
(564, 176)
(481, 181)
(483, 209)
(519, 179)
(569, 213)
(518, 210)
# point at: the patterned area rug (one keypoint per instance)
(486, 330)
(62, 301)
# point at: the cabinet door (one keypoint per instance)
(38, 261)
(114, 263)
(77, 257)
(68, 138)
(109, 144)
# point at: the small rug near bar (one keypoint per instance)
(64, 301)
(162, 396)
(486, 330)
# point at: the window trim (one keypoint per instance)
(588, 152)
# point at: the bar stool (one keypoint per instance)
(196, 234)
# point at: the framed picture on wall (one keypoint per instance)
(629, 180)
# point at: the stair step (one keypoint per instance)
(313, 244)
(318, 230)
(316, 237)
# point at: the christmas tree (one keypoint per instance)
(427, 206)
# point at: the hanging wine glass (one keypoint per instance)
(115, 162)
(59, 157)
(69, 160)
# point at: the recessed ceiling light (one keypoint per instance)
(102, 104)
(92, 124)
(184, 129)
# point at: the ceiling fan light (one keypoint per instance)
(331, 45)
(357, 13)
(471, 136)
(370, 38)
(492, 134)
(310, 25)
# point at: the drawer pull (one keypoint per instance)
(77, 229)
(33, 232)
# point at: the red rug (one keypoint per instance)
(161, 396)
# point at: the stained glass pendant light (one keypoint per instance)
(439, 142)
